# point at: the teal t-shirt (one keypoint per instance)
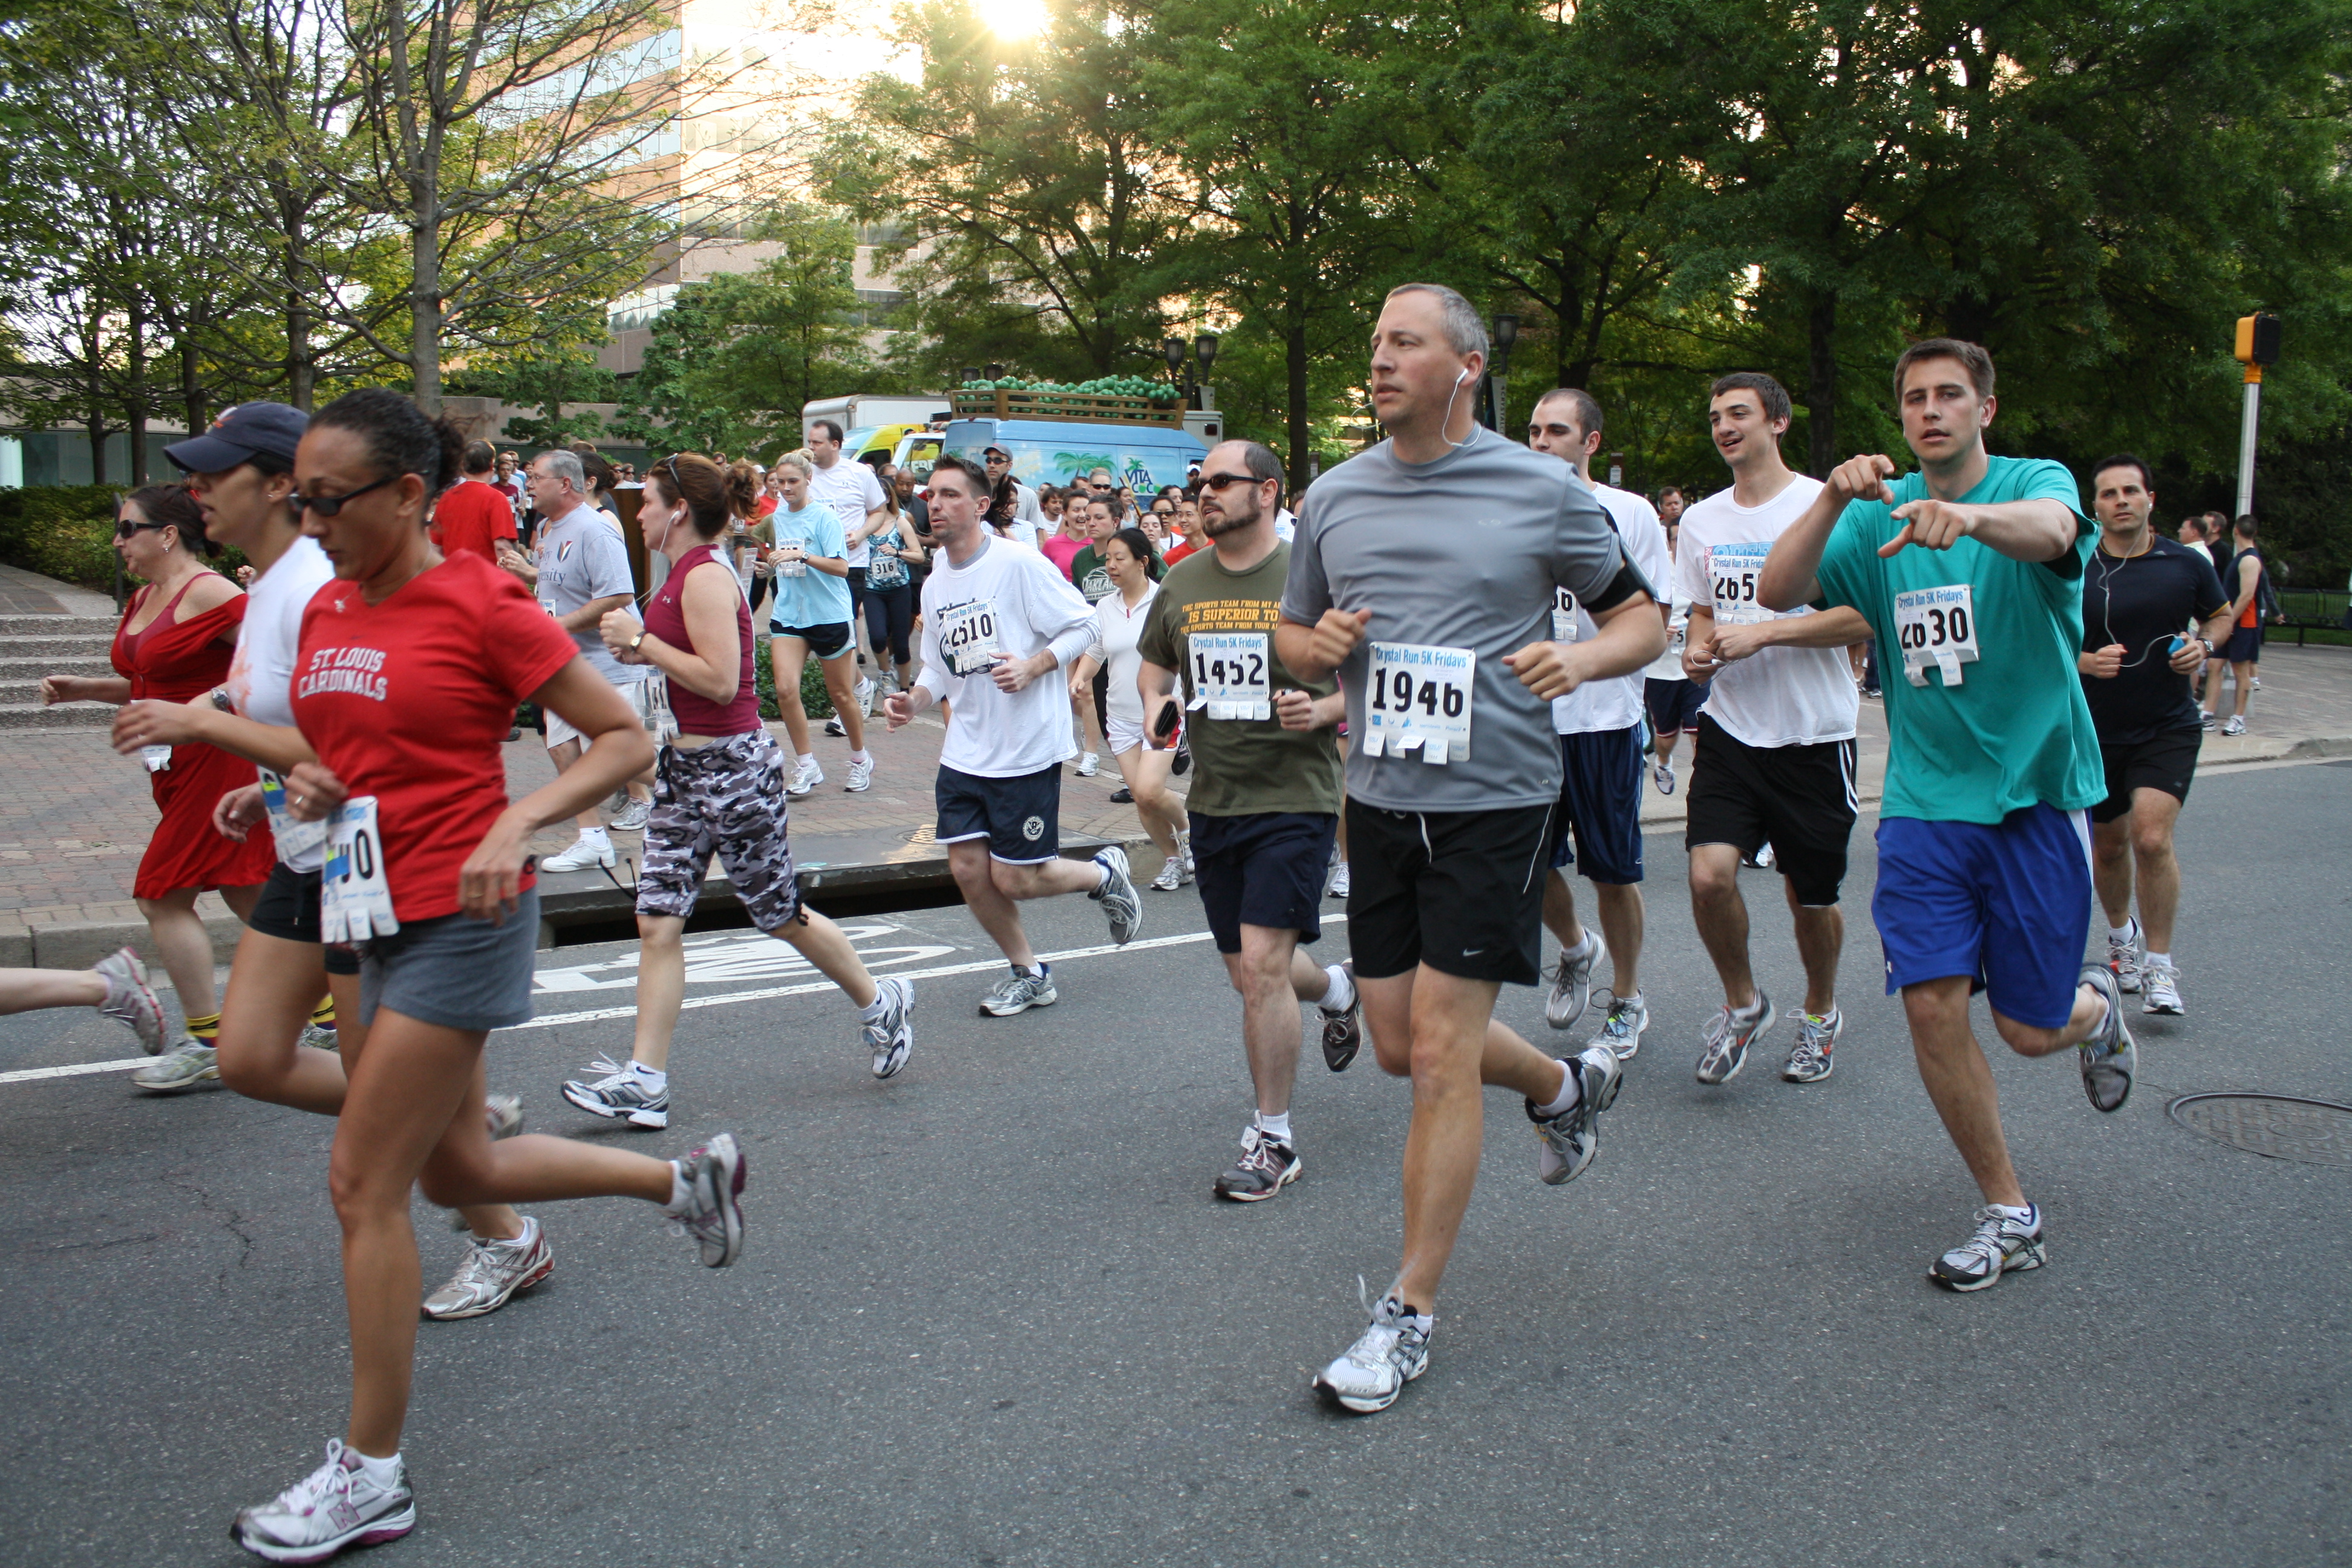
(2013, 729)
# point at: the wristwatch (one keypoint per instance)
(637, 640)
(2209, 645)
(221, 701)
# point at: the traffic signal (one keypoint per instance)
(2258, 338)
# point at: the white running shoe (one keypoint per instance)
(633, 818)
(865, 695)
(1620, 1031)
(334, 1506)
(861, 777)
(1371, 1373)
(619, 1096)
(892, 1035)
(1662, 775)
(2002, 1244)
(1338, 882)
(1572, 983)
(715, 1176)
(1089, 765)
(2233, 726)
(1171, 875)
(193, 1064)
(2163, 990)
(131, 1001)
(585, 855)
(1566, 1143)
(491, 1274)
(2124, 957)
(806, 777)
(2109, 1059)
(1122, 906)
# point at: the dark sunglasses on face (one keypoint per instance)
(124, 527)
(1219, 481)
(328, 506)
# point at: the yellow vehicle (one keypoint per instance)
(916, 450)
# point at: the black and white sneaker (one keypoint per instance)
(1266, 1166)
(1343, 1032)
(2108, 1057)
(715, 1176)
(1122, 906)
(1566, 1143)
(1019, 991)
(892, 1034)
(620, 1095)
(2003, 1244)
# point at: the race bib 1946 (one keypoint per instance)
(1936, 626)
(968, 636)
(1420, 700)
(1229, 675)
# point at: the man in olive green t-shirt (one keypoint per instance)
(1265, 792)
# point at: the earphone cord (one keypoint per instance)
(1459, 383)
(2106, 617)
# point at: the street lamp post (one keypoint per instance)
(1498, 375)
(2258, 345)
(1204, 349)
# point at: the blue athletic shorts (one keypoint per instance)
(2009, 907)
(1674, 705)
(1599, 818)
(1263, 869)
(1021, 816)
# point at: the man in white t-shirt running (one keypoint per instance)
(1775, 738)
(1598, 820)
(998, 619)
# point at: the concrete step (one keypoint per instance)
(14, 669)
(52, 626)
(65, 716)
(58, 646)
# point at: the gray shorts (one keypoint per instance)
(456, 971)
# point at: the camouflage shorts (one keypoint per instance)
(726, 799)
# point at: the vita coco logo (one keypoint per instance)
(354, 670)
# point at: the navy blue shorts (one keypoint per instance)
(2244, 647)
(1021, 816)
(1263, 869)
(1674, 705)
(1599, 818)
(2009, 907)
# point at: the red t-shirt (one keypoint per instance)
(470, 515)
(1061, 552)
(764, 506)
(410, 701)
(1177, 551)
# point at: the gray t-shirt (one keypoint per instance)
(582, 556)
(1460, 555)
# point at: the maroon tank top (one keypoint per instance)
(665, 618)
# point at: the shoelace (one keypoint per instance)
(614, 1073)
(312, 1491)
(1986, 1242)
(1619, 1025)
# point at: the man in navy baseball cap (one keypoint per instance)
(250, 430)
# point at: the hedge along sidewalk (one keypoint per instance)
(66, 533)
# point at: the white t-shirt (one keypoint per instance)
(1782, 696)
(1010, 599)
(1025, 509)
(852, 489)
(1117, 629)
(1668, 666)
(261, 673)
(1285, 524)
(1599, 706)
(1020, 530)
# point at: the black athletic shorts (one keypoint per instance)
(1266, 869)
(1674, 704)
(825, 642)
(2166, 762)
(1598, 829)
(1021, 818)
(1799, 799)
(1461, 892)
(2244, 645)
(287, 910)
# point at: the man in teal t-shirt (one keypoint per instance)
(1970, 573)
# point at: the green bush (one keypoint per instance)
(814, 696)
(66, 532)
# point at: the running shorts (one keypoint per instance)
(457, 972)
(287, 910)
(725, 799)
(1598, 828)
(1461, 892)
(2009, 907)
(1799, 799)
(825, 642)
(2166, 762)
(649, 699)
(1674, 704)
(1021, 816)
(1121, 736)
(1266, 869)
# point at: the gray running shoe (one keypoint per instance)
(2001, 1245)
(1343, 1032)
(633, 818)
(1122, 906)
(131, 1001)
(619, 1095)
(1019, 991)
(1371, 1373)
(1621, 1030)
(322, 1037)
(1572, 983)
(1662, 775)
(1266, 1166)
(2233, 725)
(1566, 1143)
(2108, 1057)
(715, 1176)
(1729, 1035)
(2162, 991)
(334, 1506)
(492, 1273)
(1810, 1060)
(2125, 958)
(191, 1065)
(892, 1035)
(1171, 875)
(505, 1114)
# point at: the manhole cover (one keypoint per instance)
(2277, 1126)
(928, 833)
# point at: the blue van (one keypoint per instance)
(1062, 451)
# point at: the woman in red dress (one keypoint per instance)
(174, 644)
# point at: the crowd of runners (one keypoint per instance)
(1449, 679)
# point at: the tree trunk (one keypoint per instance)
(1821, 386)
(1294, 357)
(192, 391)
(97, 446)
(136, 388)
(425, 305)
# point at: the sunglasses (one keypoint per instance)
(1219, 481)
(328, 506)
(124, 527)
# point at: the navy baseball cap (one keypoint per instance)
(238, 435)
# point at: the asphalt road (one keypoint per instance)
(989, 1313)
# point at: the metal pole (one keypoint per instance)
(2246, 441)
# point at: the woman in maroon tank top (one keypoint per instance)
(718, 788)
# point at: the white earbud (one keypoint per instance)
(1463, 378)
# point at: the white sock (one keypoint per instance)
(1571, 1089)
(595, 836)
(522, 1238)
(874, 1009)
(652, 1078)
(682, 1191)
(2119, 933)
(2163, 958)
(807, 758)
(383, 1473)
(1340, 995)
(2024, 1213)
(1274, 1127)
(860, 757)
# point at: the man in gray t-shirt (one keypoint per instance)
(1424, 573)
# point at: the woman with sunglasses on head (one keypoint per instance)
(408, 667)
(175, 642)
(718, 789)
(241, 474)
(1120, 616)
